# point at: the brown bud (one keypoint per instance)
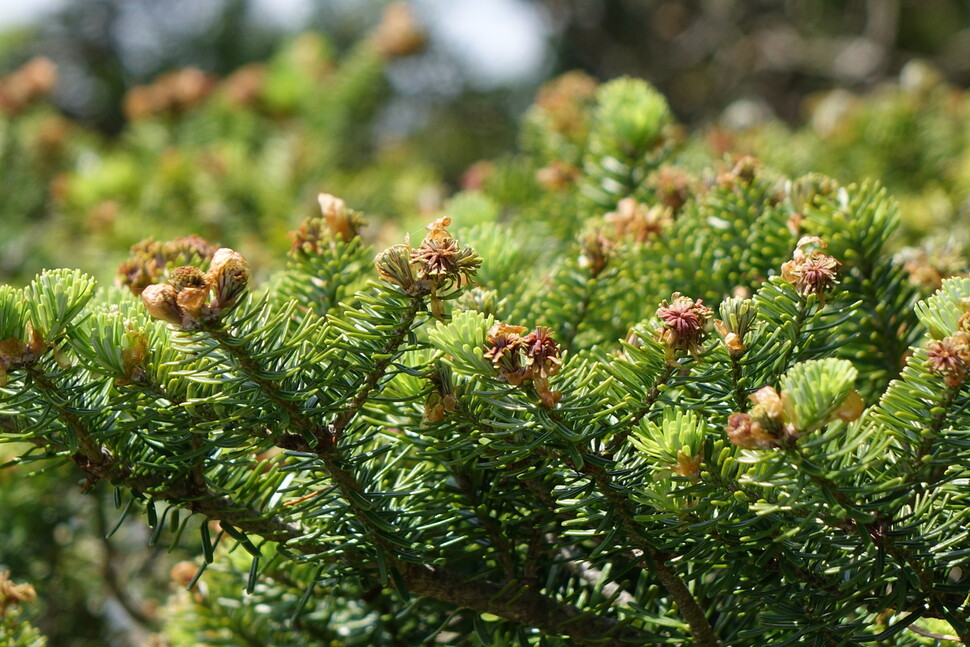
(595, 254)
(189, 86)
(192, 305)
(769, 401)
(438, 229)
(688, 466)
(549, 397)
(434, 410)
(811, 271)
(148, 259)
(394, 266)
(187, 276)
(564, 100)
(684, 321)
(851, 408)
(183, 250)
(744, 431)
(160, 301)
(542, 357)
(672, 186)
(950, 357)
(228, 278)
(342, 221)
(519, 358)
(636, 220)
(505, 352)
(435, 257)
(441, 261)
(137, 274)
(39, 76)
(183, 573)
(542, 351)
(133, 354)
(732, 341)
(738, 317)
(13, 353)
(743, 173)
(244, 86)
(557, 176)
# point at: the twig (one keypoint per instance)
(916, 629)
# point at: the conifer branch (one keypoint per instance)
(591, 574)
(388, 354)
(90, 450)
(740, 393)
(519, 604)
(893, 340)
(799, 321)
(655, 560)
(582, 514)
(8, 424)
(932, 431)
(617, 442)
(522, 605)
(879, 531)
(503, 550)
(252, 370)
(327, 436)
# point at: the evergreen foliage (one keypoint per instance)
(704, 407)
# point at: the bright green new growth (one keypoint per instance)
(395, 466)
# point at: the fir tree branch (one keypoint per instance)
(252, 371)
(617, 442)
(503, 550)
(931, 433)
(592, 575)
(799, 321)
(806, 577)
(656, 561)
(327, 436)
(8, 424)
(878, 531)
(520, 604)
(893, 343)
(90, 450)
(388, 354)
(740, 393)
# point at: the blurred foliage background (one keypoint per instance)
(127, 119)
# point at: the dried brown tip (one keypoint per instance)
(950, 357)
(394, 266)
(811, 271)
(228, 277)
(684, 322)
(160, 300)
